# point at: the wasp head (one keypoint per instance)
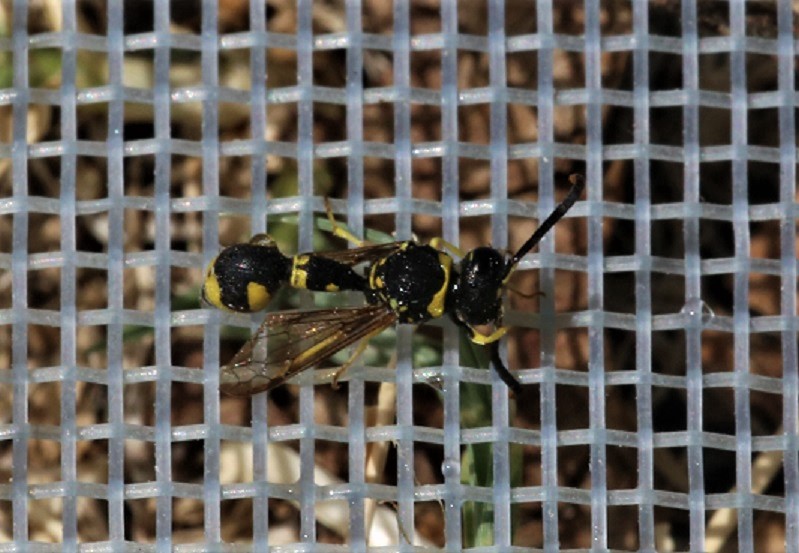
(477, 295)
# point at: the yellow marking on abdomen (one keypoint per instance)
(257, 296)
(212, 292)
(299, 276)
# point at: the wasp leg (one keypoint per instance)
(355, 355)
(340, 231)
(284, 371)
(439, 244)
(503, 372)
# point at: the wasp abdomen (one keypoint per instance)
(244, 277)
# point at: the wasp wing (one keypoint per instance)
(288, 342)
(365, 254)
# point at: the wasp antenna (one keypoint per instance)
(578, 184)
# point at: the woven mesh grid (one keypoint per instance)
(676, 449)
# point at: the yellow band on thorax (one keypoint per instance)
(437, 304)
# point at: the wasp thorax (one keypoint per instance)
(412, 281)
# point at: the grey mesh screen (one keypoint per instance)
(661, 392)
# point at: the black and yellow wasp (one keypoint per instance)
(405, 282)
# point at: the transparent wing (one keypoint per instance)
(365, 254)
(288, 342)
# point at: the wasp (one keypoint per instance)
(405, 282)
